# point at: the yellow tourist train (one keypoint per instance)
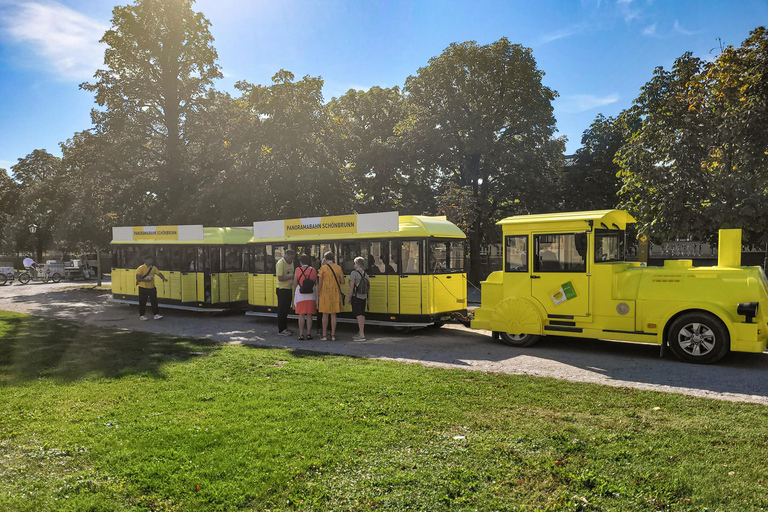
(206, 268)
(415, 263)
(565, 274)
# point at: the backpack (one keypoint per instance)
(308, 284)
(364, 286)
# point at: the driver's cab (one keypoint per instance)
(562, 266)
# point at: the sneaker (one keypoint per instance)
(285, 333)
(158, 317)
(358, 338)
(142, 317)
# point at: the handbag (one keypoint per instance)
(343, 299)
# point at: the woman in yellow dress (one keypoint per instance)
(330, 281)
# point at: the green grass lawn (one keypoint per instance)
(96, 419)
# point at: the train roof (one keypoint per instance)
(211, 236)
(570, 219)
(411, 226)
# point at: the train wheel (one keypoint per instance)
(519, 340)
(56, 278)
(698, 338)
(24, 278)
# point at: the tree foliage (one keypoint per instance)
(698, 160)
(160, 61)
(483, 127)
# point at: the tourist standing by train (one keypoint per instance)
(284, 272)
(306, 295)
(331, 278)
(358, 292)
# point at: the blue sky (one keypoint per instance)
(595, 53)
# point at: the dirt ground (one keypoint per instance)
(739, 377)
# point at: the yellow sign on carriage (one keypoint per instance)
(156, 232)
(321, 225)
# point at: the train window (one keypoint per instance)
(202, 259)
(609, 245)
(378, 254)
(457, 256)
(269, 260)
(348, 251)
(258, 259)
(117, 257)
(163, 257)
(187, 259)
(438, 258)
(134, 255)
(233, 259)
(410, 253)
(392, 264)
(313, 251)
(214, 254)
(516, 253)
(560, 252)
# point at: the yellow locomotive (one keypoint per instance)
(565, 274)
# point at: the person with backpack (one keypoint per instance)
(330, 279)
(145, 279)
(305, 299)
(358, 291)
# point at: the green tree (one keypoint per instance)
(286, 157)
(375, 151)
(484, 127)
(665, 184)
(591, 181)
(160, 61)
(42, 189)
(737, 94)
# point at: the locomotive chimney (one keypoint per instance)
(729, 248)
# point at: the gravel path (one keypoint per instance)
(739, 377)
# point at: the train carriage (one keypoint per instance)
(415, 263)
(206, 267)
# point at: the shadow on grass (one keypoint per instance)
(32, 347)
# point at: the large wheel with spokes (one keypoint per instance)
(24, 278)
(519, 340)
(698, 338)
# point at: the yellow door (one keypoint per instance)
(270, 289)
(393, 294)
(449, 292)
(238, 286)
(377, 296)
(410, 294)
(174, 281)
(188, 283)
(117, 281)
(259, 289)
(214, 288)
(163, 288)
(200, 277)
(559, 279)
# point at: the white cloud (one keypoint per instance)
(626, 10)
(650, 30)
(561, 34)
(583, 102)
(680, 30)
(66, 40)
